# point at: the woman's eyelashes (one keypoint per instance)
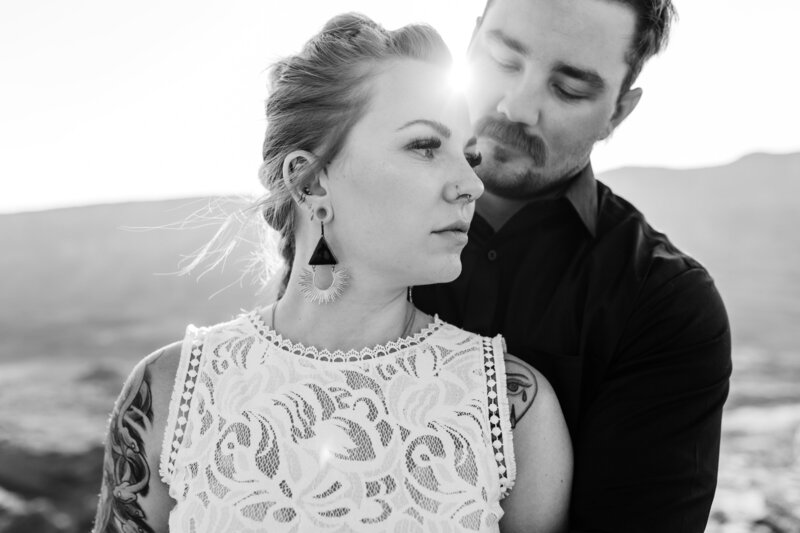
(425, 146)
(428, 146)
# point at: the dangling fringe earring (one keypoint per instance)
(323, 282)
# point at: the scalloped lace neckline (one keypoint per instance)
(340, 356)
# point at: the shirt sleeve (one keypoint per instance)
(647, 449)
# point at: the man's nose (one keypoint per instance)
(523, 101)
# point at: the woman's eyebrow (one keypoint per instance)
(443, 130)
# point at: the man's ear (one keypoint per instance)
(625, 106)
(298, 174)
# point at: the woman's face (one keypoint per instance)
(398, 187)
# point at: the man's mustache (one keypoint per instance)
(513, 134)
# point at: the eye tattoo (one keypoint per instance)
(521, 388)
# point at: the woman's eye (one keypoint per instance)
(474, 159)
(426, 147)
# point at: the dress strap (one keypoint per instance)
(494, 351)
(182, 393)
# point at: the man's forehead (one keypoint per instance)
(595, 34)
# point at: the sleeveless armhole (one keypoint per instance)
(494, 350)
(182, 392)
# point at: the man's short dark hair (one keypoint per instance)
(653, 21)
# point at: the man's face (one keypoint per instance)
(547, 76)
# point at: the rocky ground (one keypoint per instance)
(51, 430)
(759, 476)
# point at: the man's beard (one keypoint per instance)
(505, 171)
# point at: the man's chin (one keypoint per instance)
(504, 181)
(515, 180)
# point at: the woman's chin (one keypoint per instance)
(444, 274)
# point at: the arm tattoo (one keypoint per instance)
(125, 470)
(522, 388)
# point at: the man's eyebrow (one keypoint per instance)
(443, 130)
(510, 42)
(588, 76)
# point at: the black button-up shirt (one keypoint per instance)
(631, 333)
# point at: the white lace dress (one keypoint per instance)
(267, 435)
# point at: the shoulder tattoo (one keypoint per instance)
(521, 388)
(126, 473)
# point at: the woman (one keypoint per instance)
(342, 407)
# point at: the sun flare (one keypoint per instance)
(459, 76)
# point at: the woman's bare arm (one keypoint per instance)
(539, 500)
(132, 496)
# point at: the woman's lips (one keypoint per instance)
(456, 235)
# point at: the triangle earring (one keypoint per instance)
(322, 281)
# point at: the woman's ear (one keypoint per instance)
(296, 168)
(307, 186)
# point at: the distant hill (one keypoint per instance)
(80, 282)
(76, 283)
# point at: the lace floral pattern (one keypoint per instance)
(404, 439)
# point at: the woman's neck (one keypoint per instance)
(357, 320)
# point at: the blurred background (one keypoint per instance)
(120, 120)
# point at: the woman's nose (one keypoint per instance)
(466, 186)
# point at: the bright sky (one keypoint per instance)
(104, 100)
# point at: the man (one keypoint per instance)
(630, 331)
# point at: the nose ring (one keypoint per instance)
(459, 194)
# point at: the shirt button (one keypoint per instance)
(492, 255)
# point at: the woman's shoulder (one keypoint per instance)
(542, 452)
(524, 384)
(148, 388)
(131, 489)
(441, 330)
(146, 395)
(160, 369)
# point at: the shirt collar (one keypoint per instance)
(582, 195)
